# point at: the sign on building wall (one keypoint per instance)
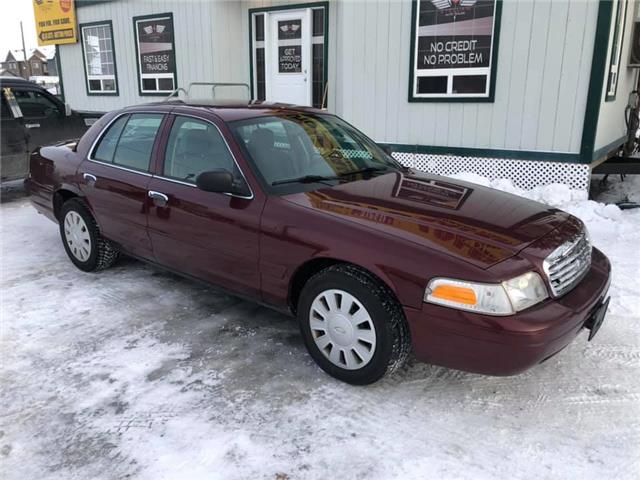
(55, 21)
(454, 45)
(155, 54)
(290, 46)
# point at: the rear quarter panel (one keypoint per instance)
(54, 168)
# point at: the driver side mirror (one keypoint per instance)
(218, 181)
(387, 149)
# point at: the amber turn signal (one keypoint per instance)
(453, 293)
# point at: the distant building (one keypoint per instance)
(37, 64)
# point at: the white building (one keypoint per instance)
(534, 90)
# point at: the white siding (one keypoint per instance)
(544, 62)
(611, 123)
(207, 34)
(543, 69)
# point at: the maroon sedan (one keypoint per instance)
(296, 209)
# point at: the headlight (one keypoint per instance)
(504, 298)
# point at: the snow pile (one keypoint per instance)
(612, 230)
(134, 373)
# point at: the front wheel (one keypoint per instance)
(352, 325)
(85, 246)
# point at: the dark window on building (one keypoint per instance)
(432, 84)
(318, 74)
(259, 28)
(318, 22)
(469, 84)
(156, 57)
(260, 80)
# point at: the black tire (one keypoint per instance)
(102, 253)
(393, 343)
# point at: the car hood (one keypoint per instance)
(480, 225)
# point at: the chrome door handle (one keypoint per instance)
(89, 178)
(158, 196)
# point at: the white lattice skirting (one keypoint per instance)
(525, 174)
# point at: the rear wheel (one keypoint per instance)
(352, 325)
(85, 246)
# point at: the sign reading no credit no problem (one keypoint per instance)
(55, 21)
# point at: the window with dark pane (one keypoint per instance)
(318, 74)
(469, 84)
(259, 19)
(432, 84)
(318, 22)
(260, 74)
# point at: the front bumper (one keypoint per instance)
(507, 345)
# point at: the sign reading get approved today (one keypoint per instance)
(55, 21)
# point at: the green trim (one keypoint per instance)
(458, 99)
(84, 60)
(59, 68)
(611, 98)
(173, 46)
(295, 6)
(604, 151)
(596, 83)
(486, 153)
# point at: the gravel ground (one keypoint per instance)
(136, 373)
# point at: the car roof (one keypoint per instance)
(8, 80)
(232, 110)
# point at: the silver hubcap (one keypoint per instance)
(77, 236)
(342, 329)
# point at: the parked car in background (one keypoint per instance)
(30, 116)
(298, 210)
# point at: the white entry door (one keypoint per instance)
(288, 66)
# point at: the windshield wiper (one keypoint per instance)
(305, 179)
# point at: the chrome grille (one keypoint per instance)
(568, 264)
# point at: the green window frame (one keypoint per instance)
(164, 80)
(613, 73)
(100, 56)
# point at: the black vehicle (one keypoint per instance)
(31, 117)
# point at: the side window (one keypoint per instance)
(195, 146)
(109, 141)
(136, 141)
(35, 105)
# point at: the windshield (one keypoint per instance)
(299, 151)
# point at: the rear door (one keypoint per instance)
(116, 178)
(211, 236)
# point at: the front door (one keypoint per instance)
(288, 51)
(208, 235)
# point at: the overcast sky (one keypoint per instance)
(13, 12)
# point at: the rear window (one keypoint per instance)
(129, 141)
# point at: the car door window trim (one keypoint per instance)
(104, 131)
(235, 160)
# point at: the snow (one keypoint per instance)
(136, 373)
